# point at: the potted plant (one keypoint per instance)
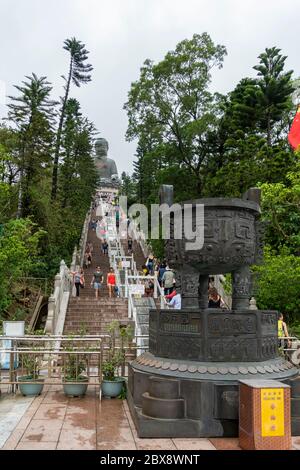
(75, 383)
(112, 382)
(31, 384)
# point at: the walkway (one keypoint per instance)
(87, 313)
(53, 421)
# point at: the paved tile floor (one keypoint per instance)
(53, 421)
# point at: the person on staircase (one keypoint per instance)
(161, 272)
(145, 270)
(90, 247)
(214, 299)
(150, 264)
(170, 296)
(149, 287)
(104, 247)
(168, 281)
(175, 302)
(93, 224)
(283, 333)
(129, 246)
(78, 278)
(85, 261)
(82, 279)
(88, 258)
(111, 281)
(97, 281)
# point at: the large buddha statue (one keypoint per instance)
(107, 168)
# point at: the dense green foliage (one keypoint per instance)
(208, 144)
(278, 286)
(280, 204)
(19, 247)
(47, 177)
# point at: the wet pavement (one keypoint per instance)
(54, 421)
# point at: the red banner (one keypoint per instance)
(294, 134)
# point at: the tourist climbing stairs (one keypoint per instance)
(86, 314)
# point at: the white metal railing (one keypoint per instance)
(50, 361)
(84, 234)
(115, 250)
(119, 261)
(126, 266)
(137, 235)
(131, 281)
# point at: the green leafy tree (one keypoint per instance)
(79, 73)
(278, 283)
(274, 92)
(281, 204)
(252, 130)
(128, 188)
(73, 118)
(19, 255)
(78, 168)
(9, 170)
(171, 103)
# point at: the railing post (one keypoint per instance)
(155, 288)
(49, 328)
(57, 281)
(126, 284)
(129, 308)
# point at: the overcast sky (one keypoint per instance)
(121, 34)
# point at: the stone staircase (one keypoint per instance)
(86, 313)
(92, 316)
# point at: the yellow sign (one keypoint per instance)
(272, 412)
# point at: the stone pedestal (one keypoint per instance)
(187, 385)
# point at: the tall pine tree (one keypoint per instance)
(33, 112)
(79, 73)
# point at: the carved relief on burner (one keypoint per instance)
(269, 347)
(229, 324)
(186, 348)
(232, 349)
(179, 322)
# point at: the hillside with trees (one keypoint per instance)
(47, 178)
(207, 144)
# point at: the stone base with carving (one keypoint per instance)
(187, 385)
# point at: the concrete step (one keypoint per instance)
(96, 317)
(90, 316)
(93, 325)
(104, 300)
(97, 309)
(86, 311)
(100, 305)
(99, 321)
(79, 321)
(97, 304)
